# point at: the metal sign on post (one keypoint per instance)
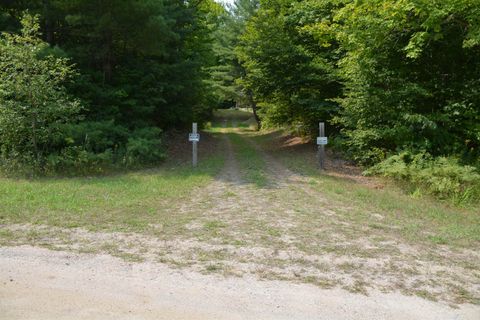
(322, 141)
(194, 137)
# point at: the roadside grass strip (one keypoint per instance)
(123, 202)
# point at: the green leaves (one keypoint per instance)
(33, 100)
(289, 71)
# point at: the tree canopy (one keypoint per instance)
(388, 76)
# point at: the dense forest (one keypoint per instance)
(86, 85)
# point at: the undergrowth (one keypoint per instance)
(442, 177)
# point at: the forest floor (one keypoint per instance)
(255, 232)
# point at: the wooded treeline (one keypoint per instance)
(125, 69)
(398, 82)
(389, 74)
(92, 83)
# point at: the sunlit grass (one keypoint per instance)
(128, 201)
(417, 219)
(252, 164)
(232, 114)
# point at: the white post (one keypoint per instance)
(194, 145)
(321, 147)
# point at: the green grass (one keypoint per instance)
(418, 219)
(251, 163)
(127, 202)
(232, 114)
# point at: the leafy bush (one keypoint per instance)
(98, 147)
(76, 160)
(95, 136)
(144, 147)
(442, 177)
(410, 75)
(33, 99)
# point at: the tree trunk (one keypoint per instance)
(253, 104)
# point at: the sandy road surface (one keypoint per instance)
(41, 284)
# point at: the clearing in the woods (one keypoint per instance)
(256, 208)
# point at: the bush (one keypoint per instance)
(442, 177)
(33, 100)
(76, 160)
(97, 147)
(95, 136)
(144, 147)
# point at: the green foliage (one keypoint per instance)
(387, 75)
(141, 65)
(443, 177)
(33, 101)
(227, 73)
(144, 147)
(99, 147)
(290, 73)
(410, 70)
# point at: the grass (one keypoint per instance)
(233, 114)
(251, 162)
(418, 219)
(126, 202)
(314, 228)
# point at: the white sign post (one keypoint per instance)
(194, 137)
(322, 141)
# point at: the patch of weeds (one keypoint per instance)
(358, 286)
(129, 257)
(377, 226)
(214, 225)
(238, 242)
(210, 255)
(87, 249)
(321, 282)
(251, 162)
(7, 236)
(437, 239)
(347, 267)
(273, 232)
(425, 294)
(33, 235)
(462, 295)
(213, 267)
(109, 247)
(230, 194)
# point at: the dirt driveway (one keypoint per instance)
(259, 241)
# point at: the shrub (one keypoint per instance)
(76, 160)
(442, 177)
(144, 147)
(33, 99)
(95, 136)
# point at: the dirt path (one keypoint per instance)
(41, 284)
(334, 262)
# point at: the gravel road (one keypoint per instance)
(42, 284)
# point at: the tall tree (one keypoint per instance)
(288, 71)
(228, 73)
